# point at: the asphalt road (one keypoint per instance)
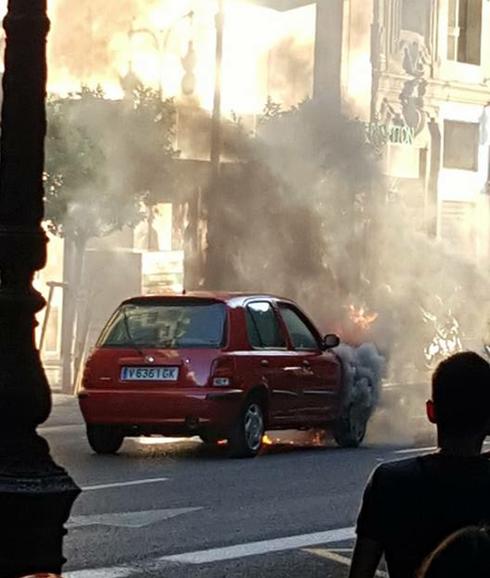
(180, 509)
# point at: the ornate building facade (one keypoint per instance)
(425, 94)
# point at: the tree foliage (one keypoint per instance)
(104, 159)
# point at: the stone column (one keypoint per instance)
(328, 53)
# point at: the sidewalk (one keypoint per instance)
(62, 398)
(65, 411)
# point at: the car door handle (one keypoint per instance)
(307, 367)
(264, 363)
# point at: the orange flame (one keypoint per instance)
(299, 439)
(318, 438)
(361, 317)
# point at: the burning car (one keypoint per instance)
(223, 366)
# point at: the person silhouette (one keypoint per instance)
(412, 505)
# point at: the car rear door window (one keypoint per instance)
(301, 335)
(263, 327)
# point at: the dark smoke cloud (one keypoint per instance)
(293, 212)
(310, 217)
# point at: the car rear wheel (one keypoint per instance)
(104, 439)
(351, 426)
(245, 440)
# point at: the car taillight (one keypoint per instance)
(222, 372)
(88, 375)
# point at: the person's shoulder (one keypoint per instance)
(398, 466)
(429, 466)
(397, 470)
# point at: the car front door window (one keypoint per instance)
(301, 336)
(263, 328)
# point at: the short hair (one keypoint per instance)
(464, 553)
(461, 393)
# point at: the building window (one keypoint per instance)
(415, 17)
(465, 31)
(458, 227)
(461, 142)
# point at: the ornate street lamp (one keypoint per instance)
(36, 495)
(160, 41)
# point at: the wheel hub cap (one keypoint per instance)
(254, 427)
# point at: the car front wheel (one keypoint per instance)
(351, 426)
(104, 439)
(245, 440)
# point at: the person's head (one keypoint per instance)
(460, 404)
(464, 553)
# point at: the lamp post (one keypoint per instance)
(36, 495)
(375, 60)
(207, 247)
(160, 42)
(159, 49)
(216, 128)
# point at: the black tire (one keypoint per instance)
(350, 428)
(245, 439)
(104, 439)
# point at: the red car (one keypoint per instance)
(221, 366)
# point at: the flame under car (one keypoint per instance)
(220, 366)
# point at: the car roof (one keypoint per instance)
(229, 297)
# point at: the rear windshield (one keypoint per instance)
(166, 326)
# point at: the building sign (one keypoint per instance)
(163, 272)
(380, 135)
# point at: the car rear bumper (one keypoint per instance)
(168, 411)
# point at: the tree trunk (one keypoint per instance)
(74, 256)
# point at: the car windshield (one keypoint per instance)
(167, 325)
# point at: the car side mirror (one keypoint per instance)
(331, 341)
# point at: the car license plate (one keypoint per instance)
(149, 373)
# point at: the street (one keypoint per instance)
(177, 508)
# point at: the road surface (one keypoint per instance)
(177, 508)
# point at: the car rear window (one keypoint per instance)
(166, 326)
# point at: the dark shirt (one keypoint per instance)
(410, 506)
